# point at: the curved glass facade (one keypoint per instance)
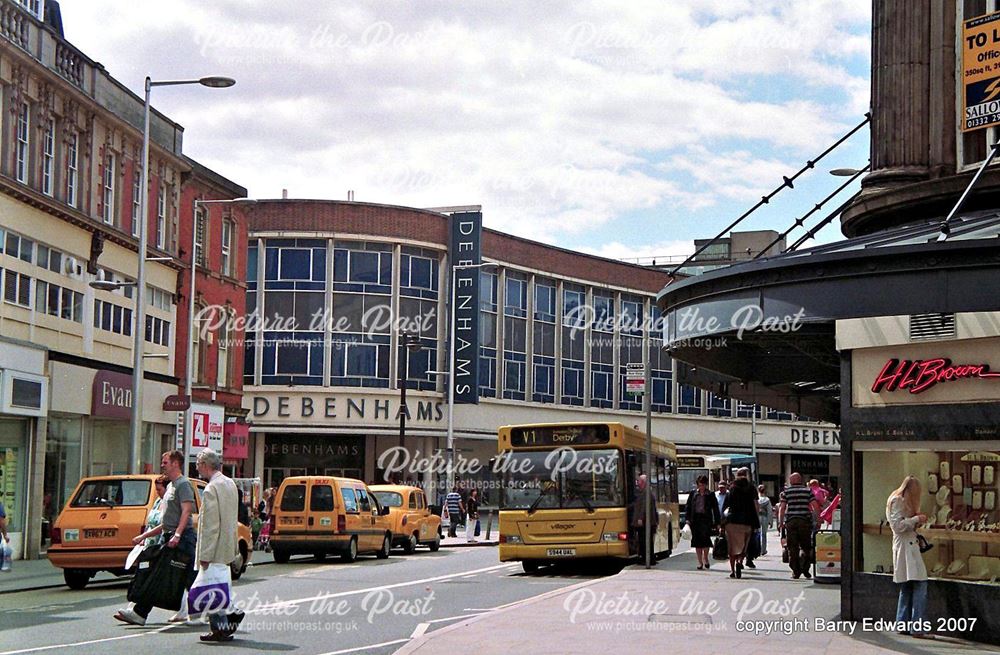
(332, 311)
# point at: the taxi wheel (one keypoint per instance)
(436, 544)
(383, 553)
(410, 545)
(529, 566)
(281, 556)
(240, 565)
(351, 553)
(76, 578)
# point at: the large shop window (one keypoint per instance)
(488, 281)
(960, 496)
(544, 329)
(602, 351)
(515, 336)
(719, 406)
(574, 344)
(418, 310)
(13, 438)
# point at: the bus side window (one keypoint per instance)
(664, 485)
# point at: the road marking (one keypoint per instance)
(470, 576)
(419, 630)
(368, 647)
(93, 641)
(266, 608)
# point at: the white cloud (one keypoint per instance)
(661, 252)
(558, 117)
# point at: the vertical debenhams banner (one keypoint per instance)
(466, 250)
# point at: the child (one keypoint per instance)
(255, 525)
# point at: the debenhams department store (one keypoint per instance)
(543, 334)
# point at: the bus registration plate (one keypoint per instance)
(561, 552)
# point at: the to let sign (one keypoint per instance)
(981, 72)
(206, 428)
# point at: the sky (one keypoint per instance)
(620, 129)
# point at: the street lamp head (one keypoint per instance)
(107, 285)
(217, 81)
(844, 172)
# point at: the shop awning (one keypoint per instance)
(793, 364)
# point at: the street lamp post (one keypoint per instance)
(407, 342)
(139, 315)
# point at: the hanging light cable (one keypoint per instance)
(788, 182)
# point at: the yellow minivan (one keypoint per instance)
(321, 515)
(94, 531)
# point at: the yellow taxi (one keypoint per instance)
(94, 531)
(412, 521)
(320, 515)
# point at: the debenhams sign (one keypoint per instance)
(344, 409)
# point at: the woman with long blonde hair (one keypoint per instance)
(902, 511)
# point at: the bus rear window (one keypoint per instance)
(112, 493)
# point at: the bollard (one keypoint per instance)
(489, 525)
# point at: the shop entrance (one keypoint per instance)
(287, 455)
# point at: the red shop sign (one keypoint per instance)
(111, 395)
(919, 375)
(236, 440)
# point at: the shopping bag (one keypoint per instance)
(686, 532)
(211, 591)
(133, 556)
(753, 545)
(160, 577)
(721, 549)
(478, 528)
(6, 556)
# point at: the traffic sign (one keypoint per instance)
(635, 378)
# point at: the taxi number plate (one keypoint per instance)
(561, 552)
(103, 533)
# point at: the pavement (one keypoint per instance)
(675, 605)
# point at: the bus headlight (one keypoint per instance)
(510, 539)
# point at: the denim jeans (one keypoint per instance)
(912, 603)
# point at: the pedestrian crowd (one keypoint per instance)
(732, 522)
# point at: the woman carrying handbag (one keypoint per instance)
(902, 511)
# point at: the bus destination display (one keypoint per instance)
(560, 435)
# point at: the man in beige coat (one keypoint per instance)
(217, 538)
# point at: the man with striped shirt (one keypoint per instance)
(456, 510)
(797, 514)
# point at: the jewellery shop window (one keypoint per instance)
(959, 493)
